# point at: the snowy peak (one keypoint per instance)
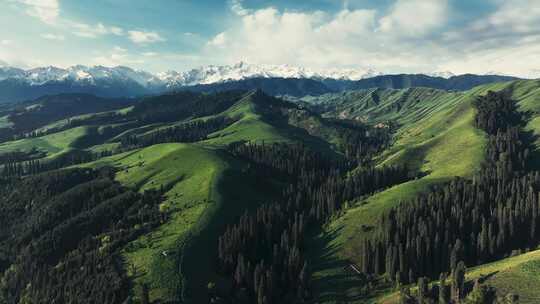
(9, 72)
(110, 76)
(242, 70)
(443, 74)
(78, 73)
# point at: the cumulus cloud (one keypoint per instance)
(53, 37)
(306, 38)
(238, 8)
(46, 10)
(144, 37)
(218, 41)
(414, 17)
(93, 31)
(409, 36)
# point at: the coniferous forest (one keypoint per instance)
(270, 152)
(466, 222)
(61, 234)
(87, 224)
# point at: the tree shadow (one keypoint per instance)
(334, 280)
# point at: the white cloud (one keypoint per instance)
(93, 31)
(238, 8)
(116, 30)
(53, 37)
(119, 49)
(45, 10)
(144, 37)
(218, 41)
(304, 38)
(415, 17)
(411, 36)
(149, 54)
(6, 42)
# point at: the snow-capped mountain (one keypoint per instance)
(78, 73)
(9, 72)
(443, 74)
(18, 84)
(240, 71)
(203, 75)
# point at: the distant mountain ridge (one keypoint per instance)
(203, 75)
(455, 83)
(17, 84)
(304, 87)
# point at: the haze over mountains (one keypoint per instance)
(18, 84)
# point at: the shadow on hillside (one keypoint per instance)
(333, 281)
(529, 139)
(234, 194)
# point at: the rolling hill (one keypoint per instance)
(224, 160)
(204, 187)
(436, 136)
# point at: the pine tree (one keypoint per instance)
(423, 290)
(458, 281)
(145, 296)
(444, 294)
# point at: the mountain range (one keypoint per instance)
(18, 84)
(203, 75)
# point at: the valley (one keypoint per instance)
(184, 147)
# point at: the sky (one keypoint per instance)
(389, 36)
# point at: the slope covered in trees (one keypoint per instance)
(178, 145)
(61, 234)
(443, 144)
(241, 184)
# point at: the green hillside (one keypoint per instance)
(436, 137)
(519, 274)
(52, 144)
(190, 174)
(206, 188)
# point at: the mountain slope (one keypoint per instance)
(443, 144)
(517, 274)
(190, 148)
(204, 187)
(402, 81)
(191, 195)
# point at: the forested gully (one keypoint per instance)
(472, 221)
(62, 232)
(263, 253)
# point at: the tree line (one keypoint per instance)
(263, 253)
(490, 217)
(186, 132)
(62, 233)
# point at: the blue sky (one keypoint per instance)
(391, 36)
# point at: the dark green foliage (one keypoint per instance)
(264, 252)
(403, 81)
(187, 132)
(475, 221)
(438, 293)
(360, 142)
(16, 168)
(183, 105)
(61, 234)
(31, 115)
